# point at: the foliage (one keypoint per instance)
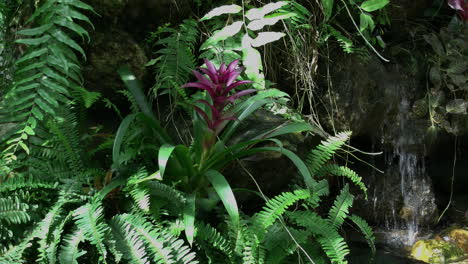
(155, 203)
(46, 76)
(243, 37)
(175, 58)
(448, 73)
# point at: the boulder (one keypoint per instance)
(459, 236)
(436, 251)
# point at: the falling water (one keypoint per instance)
(404, 193)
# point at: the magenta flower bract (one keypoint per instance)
(219, 84)
(461, 6)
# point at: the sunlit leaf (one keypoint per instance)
(267, 21)
(266, 37)
(189, 218)
(226, 32)
(226, 9)
(258, 13)
(224, 191)
(165, 152)
(457, 106)
(373, 5)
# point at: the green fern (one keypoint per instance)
(89, 218)
(365, 229)
(276, 207)
(13, 211)
(69, 251)
(343, 171)
(47, 72)
(340, 209)
(175, 58)
(319, 156)
(162, 247)
(215, 239)
(330, 240)
(346, 43)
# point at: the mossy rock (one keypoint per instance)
(435, 251)
(459, 236)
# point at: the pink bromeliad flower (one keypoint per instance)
(220, 86)
(461, 6)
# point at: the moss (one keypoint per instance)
(435, 251)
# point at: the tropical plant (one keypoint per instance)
(175, 58)
(243, 37)
(47, 76)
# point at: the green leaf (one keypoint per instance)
(286, 129)
(62, 37)
(134, 86)
(266, 37)
(457, 106)
(24, 147)
(119, 137)
(29, 131)
(31, 55)
(44, 106)
(252, 61)
(189, 218)
(165, 152)
(373, 5)
(226, 32)
(327, 8)
(268, 21)
(34, 41)
(224, 191)
(225, 9)
(35, 31)
(258, 13)
(47, 97)
(74, 27)
(366, 21)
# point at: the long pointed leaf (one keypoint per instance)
(224, 191)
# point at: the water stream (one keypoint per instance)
(403, 196)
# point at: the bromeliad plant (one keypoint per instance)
(196, 170)
(218, 85)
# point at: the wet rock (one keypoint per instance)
(460, 238)
(110, 50)
(109, 9)
(365, 92)
(436, 251)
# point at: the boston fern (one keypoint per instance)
(47, 76)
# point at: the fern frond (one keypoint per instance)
(278, 242)
(46, 74)
(276, 207)
(330, 240)
(163, 247)
(169, 194)
(89, 218)
(344, 172)
(210, 235)
(69, 251)
(324, 152)
(175, 57)
(346, 44)
(13, 211)
(340, 208)
(365, 229)
(139, 191)
(128, 241)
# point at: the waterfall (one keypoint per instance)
(403, 195)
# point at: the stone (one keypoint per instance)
(435, 251)
(109, 51)
(460, 238)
